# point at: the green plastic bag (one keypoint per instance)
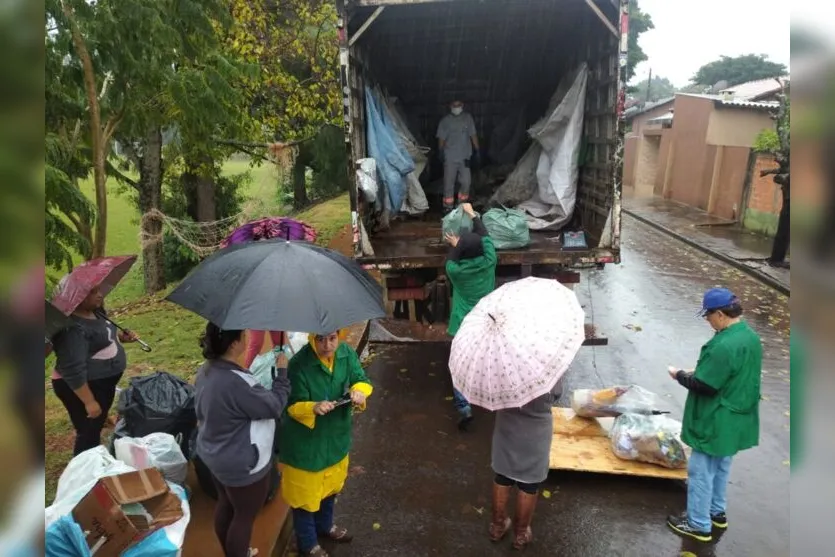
(456, 222)
(507, 227)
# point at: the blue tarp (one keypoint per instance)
(393, 160)
(64, 538)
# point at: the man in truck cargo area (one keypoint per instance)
(457, 146)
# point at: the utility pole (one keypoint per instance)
(649, 84)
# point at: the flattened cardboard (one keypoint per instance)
(108, 530)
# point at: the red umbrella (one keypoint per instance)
(104, 273)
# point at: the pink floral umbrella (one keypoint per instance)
(517, 343)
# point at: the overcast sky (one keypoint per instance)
(690, 34)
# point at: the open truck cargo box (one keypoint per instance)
(502, 58)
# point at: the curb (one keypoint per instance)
(762, 277)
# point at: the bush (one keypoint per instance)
(767, 142)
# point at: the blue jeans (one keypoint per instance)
(707, 486)
(461, 404)
(309, 526)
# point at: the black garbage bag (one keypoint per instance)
(159, 402)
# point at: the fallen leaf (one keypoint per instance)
(376, 526)
(546, 494)
(479, 510)
(765, 398)
(431, 374)
(433, 364)
(787, 414)
(448, 398)
(787, 463)
(403, 370)
(444, 433)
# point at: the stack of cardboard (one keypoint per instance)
(121, 510)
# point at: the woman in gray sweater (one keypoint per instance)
(90, 362)
(237, 420)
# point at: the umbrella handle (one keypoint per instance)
(144, 345)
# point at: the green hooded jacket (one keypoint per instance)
(471, 279)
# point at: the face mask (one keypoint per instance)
(456, 110)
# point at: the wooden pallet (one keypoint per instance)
(582, 445)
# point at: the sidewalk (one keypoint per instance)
(718, 237)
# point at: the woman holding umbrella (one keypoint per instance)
(328, 385)
(90, 355)
(508, 356)
(279, 285)
(238, 420)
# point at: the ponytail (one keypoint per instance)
(216, 342)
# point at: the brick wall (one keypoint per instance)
(765, 194)
(764, 200)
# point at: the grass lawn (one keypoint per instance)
(170, 330)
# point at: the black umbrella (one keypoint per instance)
(280, 285)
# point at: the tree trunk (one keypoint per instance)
(300, 199)
(98, 137)
(150, 197)
(205, 194)
(780, 247)
(199, 186)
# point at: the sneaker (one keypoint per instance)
(466, 416)
(719, 520)
(680, 525)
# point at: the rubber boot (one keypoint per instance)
(500, 524)
(525, 505)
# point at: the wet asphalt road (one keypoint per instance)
(419, 487)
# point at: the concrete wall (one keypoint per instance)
(639, 121)
(647, 164)
(630, 148)
(691, 163)
(729, 190)
(736, 127)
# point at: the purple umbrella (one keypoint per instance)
(268, 228)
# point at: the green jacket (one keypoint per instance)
(330, 439)
(472, 279)
(728, 422)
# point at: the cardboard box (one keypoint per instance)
(111, 516)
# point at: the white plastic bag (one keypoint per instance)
(79, 477)
(367, 178)
(651, 439)
(613, 401)
(261, 367)
(156, 450)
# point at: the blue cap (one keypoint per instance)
(717, 298)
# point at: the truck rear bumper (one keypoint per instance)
(569, 259)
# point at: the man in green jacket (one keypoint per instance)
(471, 269)
(721, 415)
